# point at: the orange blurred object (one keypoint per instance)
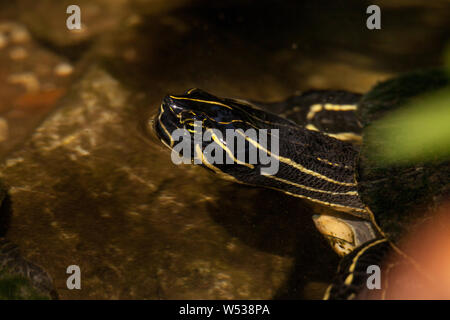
(425, 273)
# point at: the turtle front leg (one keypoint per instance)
(380, 270)
(350, 281)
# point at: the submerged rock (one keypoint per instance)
(19, 278)
(90, 188)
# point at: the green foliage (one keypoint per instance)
(13, 287)
(419, 131)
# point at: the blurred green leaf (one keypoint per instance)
(13, 287)
(420, 131)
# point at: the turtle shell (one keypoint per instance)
(399, 195)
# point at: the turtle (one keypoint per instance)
(320, 144)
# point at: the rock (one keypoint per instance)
(29, 87)
(90, 188)
(19, 278)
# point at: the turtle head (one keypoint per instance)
(202, 118)
(220, 134)
(198, 108)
